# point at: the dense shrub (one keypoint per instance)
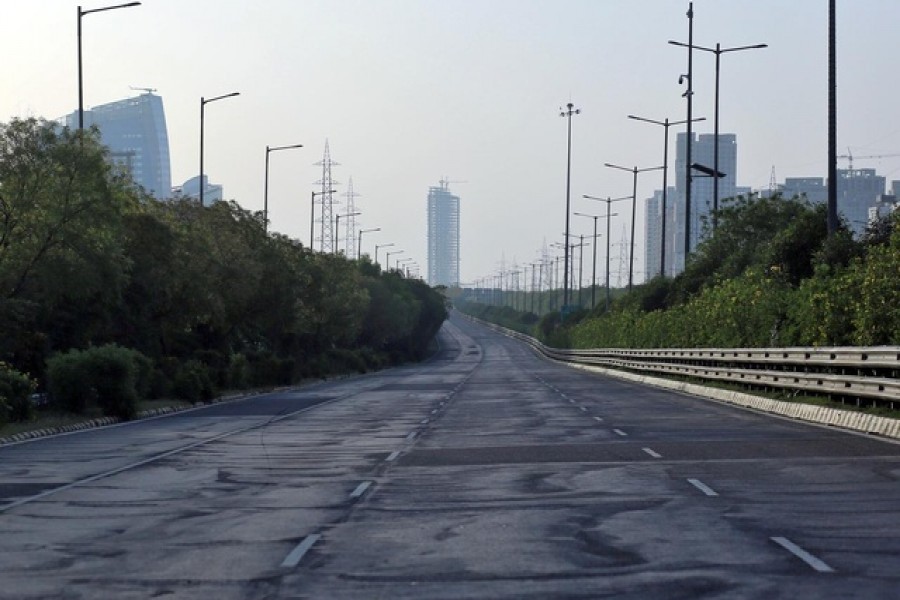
(15, 395)
(193, 382)
(105, 376)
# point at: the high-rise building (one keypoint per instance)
(857, 191)
(653, 239)
(212, 192)
(135, 132)
(702, 152)
(443, 236)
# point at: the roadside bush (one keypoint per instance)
(68, 382)
(15, 391)
(238, 372)
(193, 382)
(105, 375)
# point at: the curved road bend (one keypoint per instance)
(485, 473)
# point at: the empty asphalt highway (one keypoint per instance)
(486, 472)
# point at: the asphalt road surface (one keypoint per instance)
(486, 472)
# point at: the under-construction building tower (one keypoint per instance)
(326, 199)
(443, 236)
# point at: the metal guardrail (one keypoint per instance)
(846, 372)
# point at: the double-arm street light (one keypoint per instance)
(312, 215)
(570, 110)
(337, 228)
(594, 266)
(718, 51)
(266, 189)
(203, 103)
(359, 244)
(81, 13)
(666, 124)
(609, 216)
(634, 171)
(377, 246)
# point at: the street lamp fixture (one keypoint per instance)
(359, 244)
(665, 124)
(377, 246)
(570, 110)
(81, 13)
(718, 51)
(609, 216)
(634, 171)
(203, 103)
(337, 228)
(312, 215)
(387, 261)
(266, 188)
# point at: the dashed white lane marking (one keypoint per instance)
(703, 487)
(571, 401)
(652, 453)
(410, 436)
(296, 555)
(360, 489)
(598, 419)
(816, 563)
(423, 422)
(582, 409)
(434, 412)
(620, 432)
(393, 456)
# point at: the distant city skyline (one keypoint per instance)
(408, 92)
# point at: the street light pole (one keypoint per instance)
(81, 13)
(203, 103)
(594, 265)
(266, 189)
(337, 228)
(666, 124)
(609, 216)
(570, 110)
(377, 246)
(387, 261)
(359, 244)
(635, 172)
(718, 51)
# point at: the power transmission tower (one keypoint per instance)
(350, 228)
(773, 186)
(623, 257)
(327, 232)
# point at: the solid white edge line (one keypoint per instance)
(816, 563)
(296, 555)
(703, 487)
(620, 432)
(360, 489)
(393, 456)
(652, 453)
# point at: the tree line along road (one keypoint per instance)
(485, 472)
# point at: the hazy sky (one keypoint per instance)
(410, 91)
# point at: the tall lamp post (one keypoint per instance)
(81, 13)
(666, 124)
(203, 103)
(609, 216)
(387, 260)
(377, 246)
(718, 51)
(266, 189)
(594, 265)
(312, 216)
(570, 110)
(359, 244)
(337, 228)
(635, 172)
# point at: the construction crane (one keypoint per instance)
(849, 157)
(142, 89)
(445, 183)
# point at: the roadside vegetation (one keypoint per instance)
(768, 276)
(109, 297)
